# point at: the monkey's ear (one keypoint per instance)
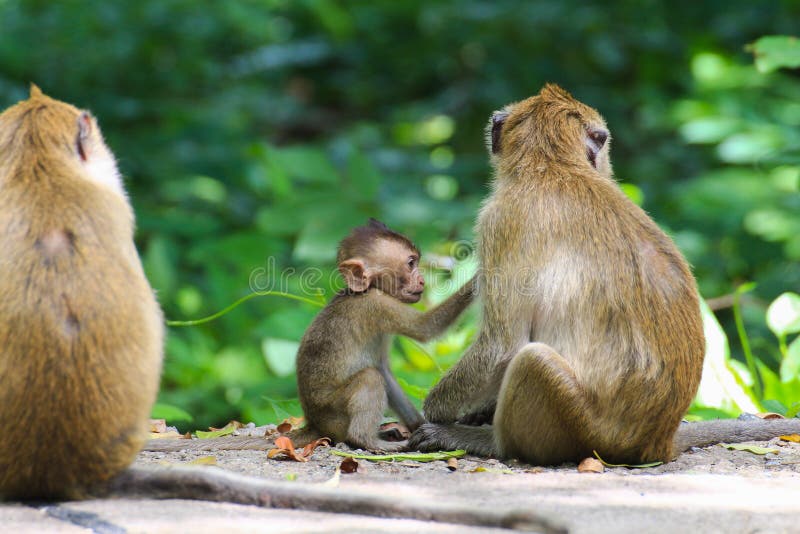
(356, 275)
(498, 120)
(35, 91)
(85, 126)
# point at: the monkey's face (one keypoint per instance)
(397, 271)
(552, 126)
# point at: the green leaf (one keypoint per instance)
(719, 387)
(749, 448)
(634, 466)
(170, 413)
(280, 355)
(413, 456)
(776, 51)
(783, 315)
(790, 366)
(411, 390)
(202, 434)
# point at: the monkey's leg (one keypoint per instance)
(543, 415)
(365, 406)
(398, 400)
(475, 440)
(462, 382)
(485, 403)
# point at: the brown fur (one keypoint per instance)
(80, 330)
(343, 376)
(587, 303)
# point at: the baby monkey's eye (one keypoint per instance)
(412, 262)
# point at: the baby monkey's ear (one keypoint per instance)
(356, 275)
(498, 120)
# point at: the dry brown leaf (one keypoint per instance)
(591, 465)
(235, 424)
(321, 442)
(348, 465)
(452, 464)
(401, 433)
(204, 460)
(158, 425)
(769, 415)
(284, 427)
(166, 435)
(285, 447)
(791, 437)
(535, 470)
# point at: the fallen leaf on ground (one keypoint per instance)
(769, 415)
(634, 466)
(492, 470)
(290, 423)
(755, 449)
(285, 447)
(218, 433)
(535, 470)
(452, 464)
(348, 465)
(414, 456)
(791, 437)
(158, 425)
(235, 424)
(166, 435)
(204, 460)
(291, 477)
(591, 465)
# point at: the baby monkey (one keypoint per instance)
(343, 375)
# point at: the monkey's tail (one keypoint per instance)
(703, 433)
(214, 484)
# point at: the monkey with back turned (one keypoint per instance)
(591, 324)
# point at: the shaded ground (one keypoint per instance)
(706, 490)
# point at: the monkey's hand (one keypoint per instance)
(475, 440)
(483, 415)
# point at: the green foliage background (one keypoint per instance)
(254, 134)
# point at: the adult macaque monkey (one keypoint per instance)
(80, 330)
(343, 374)
(591, 319)
(81, 339)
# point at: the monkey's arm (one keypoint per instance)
(395, 317)
(398, 400)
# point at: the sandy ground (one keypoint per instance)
(705, 490)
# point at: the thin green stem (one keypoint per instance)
(242, 300)
(748, 354)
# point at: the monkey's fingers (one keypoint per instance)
(212, 484)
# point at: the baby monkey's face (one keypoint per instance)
(397, 271)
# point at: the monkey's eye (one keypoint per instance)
(598, 136)
(411, 262)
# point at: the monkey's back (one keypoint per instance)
(337, 345)
(600, 252)
(80, 332)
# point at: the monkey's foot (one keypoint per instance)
(475, 440)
